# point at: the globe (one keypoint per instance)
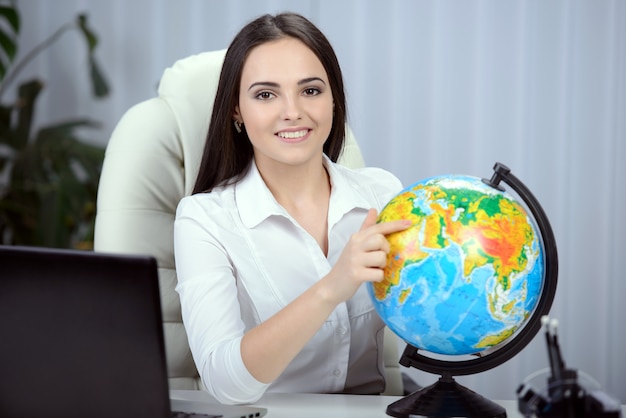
(469, 271)
(467, 283)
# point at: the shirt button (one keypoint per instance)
(342, 330)
(336, 372)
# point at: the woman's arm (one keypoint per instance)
(269, 348)
(237, 367)
(210, 307)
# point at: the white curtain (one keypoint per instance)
(434, 87)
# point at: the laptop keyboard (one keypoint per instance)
(178, 414)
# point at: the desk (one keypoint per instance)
(308, 405)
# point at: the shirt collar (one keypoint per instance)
(254, 200)
(346, 192)
(256, 203)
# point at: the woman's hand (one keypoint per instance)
(363, 258)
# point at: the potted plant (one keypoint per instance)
(48, 178)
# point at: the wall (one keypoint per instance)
(434, 86)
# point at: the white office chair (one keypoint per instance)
(151, 162)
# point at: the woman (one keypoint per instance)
(275, 244)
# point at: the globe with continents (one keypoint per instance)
(469, 271)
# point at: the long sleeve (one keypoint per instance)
(211, 310)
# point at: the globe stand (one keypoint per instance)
(447, 398)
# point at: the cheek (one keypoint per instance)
(258, 127)
(324, 110)
(255, 118)
(328, 115)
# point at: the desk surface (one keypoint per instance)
(306, 405)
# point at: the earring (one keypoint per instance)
(237, 126)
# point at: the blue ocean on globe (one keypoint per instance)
(468, 273)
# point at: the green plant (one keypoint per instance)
(48, 178)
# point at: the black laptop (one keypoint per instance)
(81, 336)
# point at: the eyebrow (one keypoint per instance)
(276, 85)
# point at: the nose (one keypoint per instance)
(291, 108)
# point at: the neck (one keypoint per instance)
(294, 186)
(304, 192)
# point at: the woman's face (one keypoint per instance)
(285, 103)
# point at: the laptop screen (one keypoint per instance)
(81, 335)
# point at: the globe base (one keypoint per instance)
(445, 398)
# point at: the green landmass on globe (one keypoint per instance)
(469, 271)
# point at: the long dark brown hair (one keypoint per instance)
(227, 153)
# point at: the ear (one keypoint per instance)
(237, 115)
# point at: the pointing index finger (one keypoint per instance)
(390, 227)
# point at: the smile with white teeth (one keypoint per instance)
(293, 135)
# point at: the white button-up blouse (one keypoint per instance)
(240, 258)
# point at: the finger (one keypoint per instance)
(370, 219)
(374, 275)
(390, 227)
(376, 242)
(371, 274)
(377, 259)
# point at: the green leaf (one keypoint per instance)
(8, 45)
(90, 37)
(5, 124)
(9, 13)
(8, 39)
(25, 107)
(99, 85)
(65, 151)
(65, 129)
(89, 158)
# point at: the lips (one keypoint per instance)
(293, 136)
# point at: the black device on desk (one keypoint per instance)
(564, 395)
(82, 336)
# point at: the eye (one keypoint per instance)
(264, 95)
(311, 91)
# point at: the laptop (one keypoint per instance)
(81, 335)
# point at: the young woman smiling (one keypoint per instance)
(274, 246)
